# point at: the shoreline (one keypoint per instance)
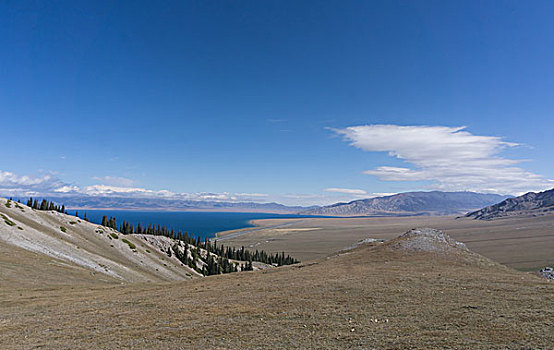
(257, 225)
(227, 234)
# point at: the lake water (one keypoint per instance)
(203, 224)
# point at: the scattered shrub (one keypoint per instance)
(72, 222)
(19, 227)
(131, 245)
(63, 229)
(7, 221)
(114, 236)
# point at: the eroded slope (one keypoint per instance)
(49, 238)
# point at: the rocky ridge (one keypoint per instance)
(529, 204)
(547, 272)
(411, 203)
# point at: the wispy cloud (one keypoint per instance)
(346, 190)
(110, 186)
(253, 195)
(49, 185)
(450, 157)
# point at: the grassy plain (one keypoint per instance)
(522, 243)
(372, 296)
(363, 299)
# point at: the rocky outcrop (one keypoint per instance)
(427, 240)
(530, 204)
(547, 272)
(430, 243)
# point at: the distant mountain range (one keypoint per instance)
(112, 202)
(530, 204)
(402, 204)
(411, 203)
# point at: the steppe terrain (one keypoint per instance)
(371, 297)
(409, 292)
(525, 243)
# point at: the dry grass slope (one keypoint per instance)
(62, 249)
(421, 290)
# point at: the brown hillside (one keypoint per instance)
(375, 296)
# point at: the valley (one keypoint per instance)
(525, 243)
(277, 175)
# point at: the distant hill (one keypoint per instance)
(411, 203)
(528, 204)
(113, 202)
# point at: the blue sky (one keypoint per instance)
(297, 102)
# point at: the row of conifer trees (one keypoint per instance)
(45, 205)
(212, 247)
(48, 205)
(213, 264)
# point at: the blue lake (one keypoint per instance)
(203, 224)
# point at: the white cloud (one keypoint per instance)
(382, 194)
(49, 185)
(67, 189)
(98, 190)
(259, 195)
(451, 158)
(11, 183)
(346, 190)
